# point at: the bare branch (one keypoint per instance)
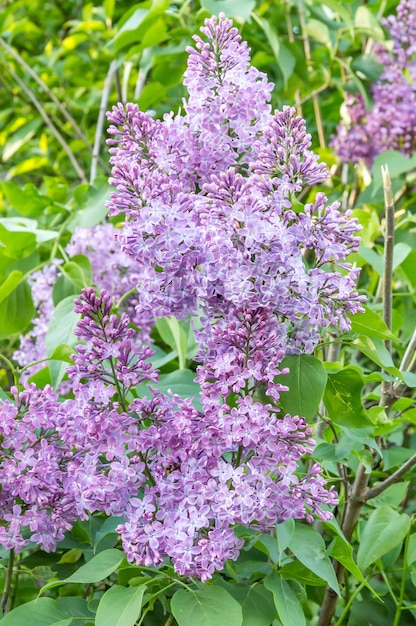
(391, 480)
(101, 119)
(50, 124)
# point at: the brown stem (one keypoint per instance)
(391, 480)
(351, 515)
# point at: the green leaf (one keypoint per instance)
(295, 570)
(207, 606)
(411, 549)
(20, 137)
(40, 612)
(174, 336)
(283, 56)
(368, 23)
(98, 568)
(309, 547)
(384, 530)
(256, 602)
(370, 324)
(284, 533)
(306, 381)
(392, 496)
(341, 550)
(180, 382)
(78, 270)
(232, 8)
(342, 399)
(93, 210)
(16, 311)
(397, 163)
(120, 606)
(63, 352)
(14, 278)
(319, 31)
(375, 350)
(27, 201)
(288, 598)
(61, 331)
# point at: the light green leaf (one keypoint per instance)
(368, 23)
(288, 598)
(239, 9)
(370, 324)
(306, 381)
(16, 311)
(319, 31)
(120, 606)
(207, 606)
(309, 547)
(20, 137)
(411, 549)
(78, 271)
(174, 336)
(14, 278)
(61, 331)
(384, 530)
(375, 350)
(397, 163)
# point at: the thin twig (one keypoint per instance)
(101, 119)
(308, 55)
(50, 124)
(391, 480)
(63, 110)
(44, 86)
(291, 37)
(386, 387)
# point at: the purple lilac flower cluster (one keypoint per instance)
(112, 271)
(213, 221)
(390, 124)
(60, 461)
(211, 214)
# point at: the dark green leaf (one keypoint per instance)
(306, 381)
(40, 612)
(342, 399)
(207, 606)
(309, 547)
(288, 598)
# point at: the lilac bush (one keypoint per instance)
(390, 123)
(213, 221)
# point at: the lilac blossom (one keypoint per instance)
(112, 271)
(390, 123)
(212, 219)
(208, 200)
